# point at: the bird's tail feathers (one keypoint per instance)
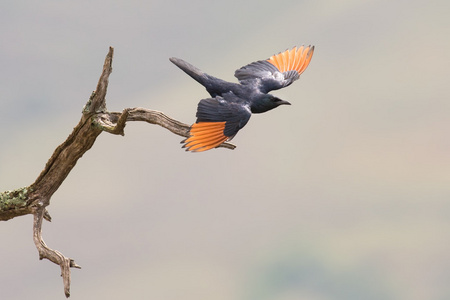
(189, 69)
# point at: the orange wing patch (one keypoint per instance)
(205, 136)
(293, 60)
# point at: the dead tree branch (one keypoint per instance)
(95, 119)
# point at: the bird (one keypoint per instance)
(220, 117)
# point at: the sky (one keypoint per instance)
(342, 195)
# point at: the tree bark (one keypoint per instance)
(95, 119)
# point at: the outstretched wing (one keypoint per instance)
(278, 71)
(218, 120)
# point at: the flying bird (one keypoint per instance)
(220, 117)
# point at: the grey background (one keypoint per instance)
(343, 195)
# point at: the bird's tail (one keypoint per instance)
(192, 71)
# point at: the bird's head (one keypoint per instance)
(266, 102)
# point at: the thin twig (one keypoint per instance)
(53, 255)
(106, 122)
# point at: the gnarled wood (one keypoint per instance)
(94, 120)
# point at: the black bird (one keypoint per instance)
(220, 117)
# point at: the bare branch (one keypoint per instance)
(114, 122)
(50, 254)
(97, 101)
(94, 120)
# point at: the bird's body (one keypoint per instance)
(220, 117)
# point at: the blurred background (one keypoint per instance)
(343, 195)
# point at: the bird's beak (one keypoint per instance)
(284, 102)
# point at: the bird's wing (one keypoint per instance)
(278, 71)
(218, 120)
